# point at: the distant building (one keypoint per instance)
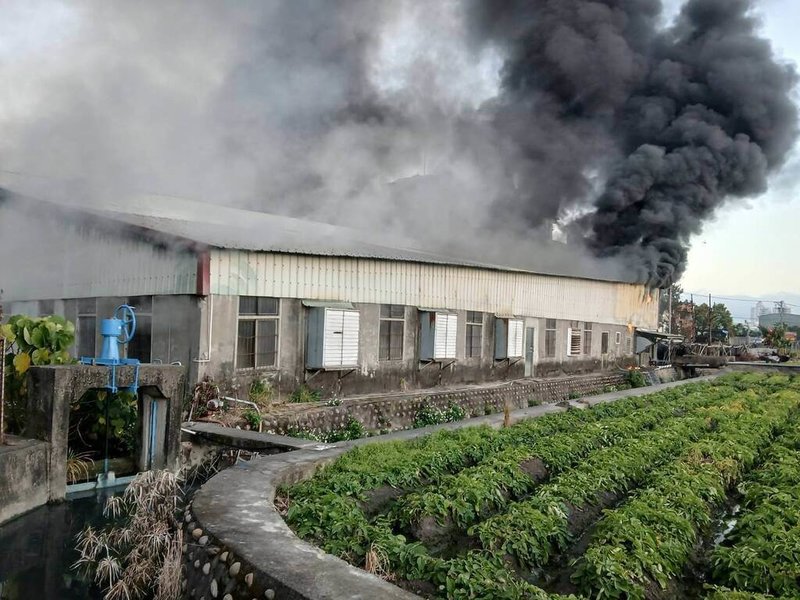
(758, 310)
(773, 319)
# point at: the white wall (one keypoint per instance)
(431, 286)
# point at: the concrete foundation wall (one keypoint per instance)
(24, 481)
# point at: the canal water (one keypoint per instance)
(37, 551)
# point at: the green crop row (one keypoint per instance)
(533, 530)
(327, 509)
(648, 541)
(407, 463)
(494, 483)
(762, 552)
(328, 503)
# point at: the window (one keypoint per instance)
(628, 344)
(87, 327)
(141, 345)
(575, 339)
(550, 338)
(392, 328)
(46, 307)
(444, 341)
(257, 335)
(604, 342)
(474, 334)
(587, 339)
(617, 338)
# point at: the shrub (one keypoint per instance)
(305, 394)
(352, 430)
(260, 392)
(40, 341)
(141, 557)
(253, 418)
(636, 379)
(430, 415)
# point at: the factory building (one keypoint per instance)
(237, 295)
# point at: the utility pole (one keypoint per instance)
(694, 320)
(709, 319)
(669, 325)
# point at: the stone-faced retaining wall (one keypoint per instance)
(397, 411)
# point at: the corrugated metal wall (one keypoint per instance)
(434, 286)
(59, 261)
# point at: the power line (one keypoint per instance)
(752, 300)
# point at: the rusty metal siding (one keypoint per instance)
(436, 286)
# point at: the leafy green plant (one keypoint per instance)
(685, 447)
(253, 418)
(261, 393)
(636, 379)
(304, 393)
(353, 429)
(31, 342)
(429, 415)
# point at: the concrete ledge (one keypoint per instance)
(235, 510)
(762, 367)
(246, 440)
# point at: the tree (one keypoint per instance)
(741, 330)
(776, 338)
(721, 323)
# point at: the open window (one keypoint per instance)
(509, 336)
(438, 331)
(574, 341)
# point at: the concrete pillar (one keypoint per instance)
(52, 389)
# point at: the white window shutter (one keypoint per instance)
(340, 345)
(445, 335)
(515, 338)
(569, 341)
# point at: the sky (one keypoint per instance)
(750, 248)
(745, 251)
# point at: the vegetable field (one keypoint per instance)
(692, 492)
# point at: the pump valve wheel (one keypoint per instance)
(127, 316)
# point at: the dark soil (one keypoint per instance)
(421, 588)
(557, 578)
(379, 499)
(535, 469)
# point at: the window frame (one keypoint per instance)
(574, 339)
(145, 311)
(617, 338)
(587, 339)
(258, 318)
(550, 330)
(474, 320)
(82, 313)
(387, 315)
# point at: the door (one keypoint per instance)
(530, 346)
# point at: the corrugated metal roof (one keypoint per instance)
(231, 228)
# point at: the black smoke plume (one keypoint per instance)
(392, 116)
(674, 121)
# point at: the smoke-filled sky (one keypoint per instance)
(462, 122)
